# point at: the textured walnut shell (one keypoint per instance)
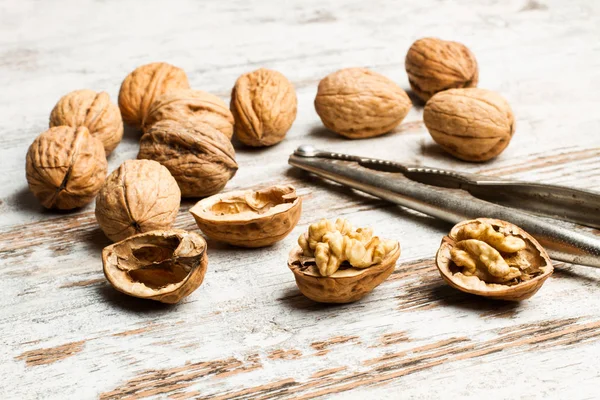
(264, 106)
(534, 252)
(249, 218)
(65, 167)
(200, 158)
(95, 111)
(358, 103)
(471, 124)
(434, 65)
(191, 106)
(142, 86)
(345, 285)
(139, 196)
(160, 265)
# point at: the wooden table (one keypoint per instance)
(247, 332)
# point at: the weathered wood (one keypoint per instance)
(247, 332)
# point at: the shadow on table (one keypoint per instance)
(294, 299)
(447, 296)
(131, 304)
(417, 102)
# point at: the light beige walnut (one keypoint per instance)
(95, 111)
(139, 196)
(165, 266)
(336, 263)
(434, 65)
(188, 105)
(65, 167)
(142, 86)
(471, 124)
(493, 258)
(249, 218)
(264, 104)
(358, 103)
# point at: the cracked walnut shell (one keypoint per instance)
(191, 106)
(200, 158)
(139, 196)
(434, 65)
(95, 111)
(249, 218)
(471, 124)
(142, 86)
(264, 104)
(165, 266)
(335, 263)
(65, 167)
(358, 103)
(493, 258)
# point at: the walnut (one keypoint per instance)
(142, 86)
(358, 103)
(95, 111)
(263, 103)
(192, 106)
(139, 196)
(335, 263)
(493, 258)
(66, 167)
(200, 158)
(160, 265)
(471, 124)
(249, 218)
(434, 65)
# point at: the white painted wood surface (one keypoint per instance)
(247, 332)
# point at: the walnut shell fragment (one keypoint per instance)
(65, 167)
(142, 86)
(493, 258)
(139, 196)
(165, 266)
(358, 103)
(200, 158)
(249, 218)
(264, 104)
(191, 106)
(434, 65)
(471, 124)
(95, 111)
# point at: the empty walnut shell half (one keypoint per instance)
(494, 259)
(95, 111)
(249, 218)
(160, 265)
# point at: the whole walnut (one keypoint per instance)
(193, 106)
(142, 86)
(358, 103)
(471, 124)
(139, 196)
(200, 158)
(263, 103)
(434, 65)
(65, 167)
(95, 111)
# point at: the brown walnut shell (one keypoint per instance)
(142, 86)
(249, 218)
(66, 167)
(139, 196)
(434, 65)
(264, 105)
(165, 266)
(191, 106)
(345, 285)
(95, 111)
(200, 158)
(534, 254)
(471, 124)
(358, 103)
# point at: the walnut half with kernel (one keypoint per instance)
(494, 259)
